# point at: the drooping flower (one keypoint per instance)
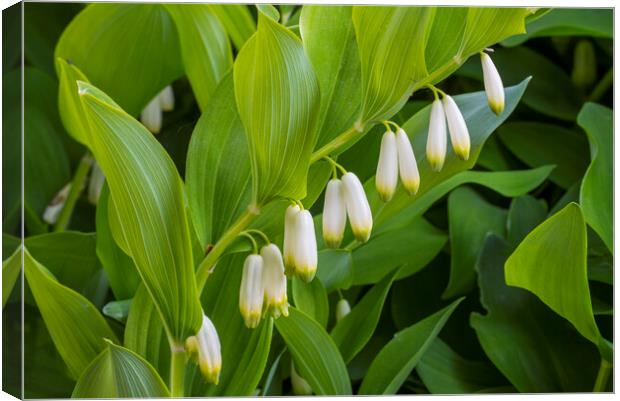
(251, 292)
(299, 384)
(334, 214)
(95, 183)
(492, 84)
(290, 221)
(166, 98)
(357, 205)
(52, 211)
(342, 309)
(151, 115)
(386, 178)
(206, 346)
(274, 281)
(436, 142)
(305, 251)
(407, 165)
(459, 135)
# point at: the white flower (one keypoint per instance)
(299, 384)
(274, 281)
(251, 291)
(437, 137)
(334, 214)
(95, 184)
(342, 309)
(492, 84)
(409, 174)
(305, 252)
(458, 130)
(358, 209)
(386, 178)
(206, 344)
(166, 98)
(289, 238)
(52, 211)
(151, 115)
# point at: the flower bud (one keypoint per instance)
(342, 309)
(407, 165)
(437, 137)
(251, 291)
(166, 99)
(299, 384)
(151, 115)
(358, 209)
(95, 184)
(457, 127)
(386, 178)
(206, 345)
(334, 214)
(52, 211)
(492, 84)
(306, 257)
(274, 281)
(290, 221)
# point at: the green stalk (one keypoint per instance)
(602, 86)
(342, 139)
(603, 376)
(177, 371)
(77, 185)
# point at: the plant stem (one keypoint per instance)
(603, 376)
(177, 371)
(77, 184)
(602, 86)
(356, 130)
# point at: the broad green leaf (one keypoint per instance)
(494, 156)
(525, 213)
(11, 268)
(311, 298)
(119, 373)
(391, 43)
(329, 39)
(335, 269)
(316, 357)
(277, 97)
(76, 326)
(568, 22)
(353, 332)
(69, 105)
(205, 48)
(148, 195)
(237, 21)
(397, 359)
(470, 218)
(536, 144)
(523, 338)
(596, 196)
(411, 246)
(443, 371)
(130, 51)
(218, 167)
(551, 263)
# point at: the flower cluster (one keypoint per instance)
(396, 158)
(151, 115)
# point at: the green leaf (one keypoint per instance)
(148, 194)
(75, 325)
(205, 48)
(143, 41)
(523, 338)
(329, 39)
(237, 20)
(470, 218)
(118, 310)
(311, 298)
(119, 373)
(218, 167)
(355, 330)
(551, 263)
(316, 357)
(11, 268)
(525, 213)
(397, 359)
(596, 195)
(335, 269)
(69, 105)
(278, 101)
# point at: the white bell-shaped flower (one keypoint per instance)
(251, 292)
(151, 115)
(95, 183)
(206, 346)
(299, 384)
(357, 205)
(334, 214)
(274, 281)
(52, 211)
(166, 98)
(459, 135)
(436, 143)
(342, 309)
(306, 256)
(288, 247)
(493, 85)
(386, 178)
(407, 165)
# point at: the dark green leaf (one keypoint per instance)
(525, 213)
(11, 269)
(335, 269)
(311, 298)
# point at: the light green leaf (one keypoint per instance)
(11, 268)
(316, 357)
(311, 298)
(75, 325)
(141, 37)
(525, 213)
(551, 263)
(335, 269)
(355, 330)
(148, 195)
(470, 218)
(237, 20)
(278, 101)
(69, 105)
(596, 195)
(119, 373)
(205, 48)
(397, 359)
